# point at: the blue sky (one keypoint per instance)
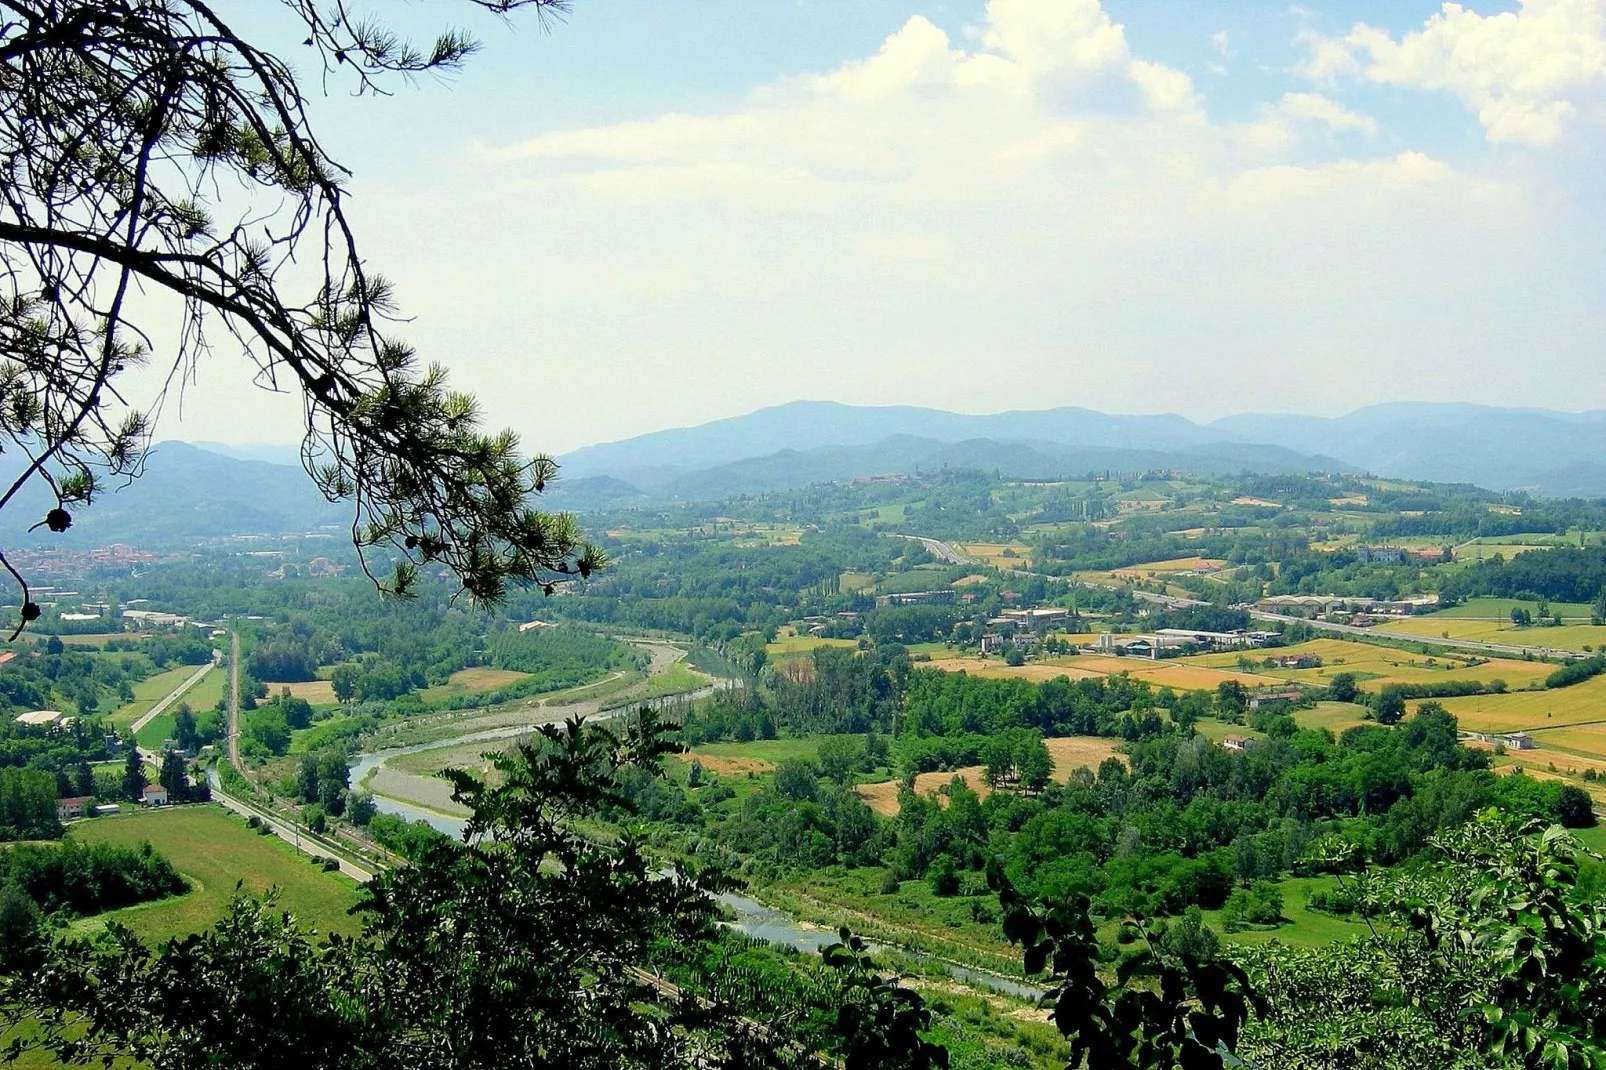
(658, 214)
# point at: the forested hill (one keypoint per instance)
(186, 493)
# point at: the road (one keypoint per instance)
(174, 695)
(303, 841)
(234, 699)
(947, 552)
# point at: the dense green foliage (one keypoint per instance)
(88, 878)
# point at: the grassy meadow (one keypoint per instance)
(1374, 665)
(151, 690)
(214, 849)
(1566, 637)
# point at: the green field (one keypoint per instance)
(1566, 637)
(1530, 709)
(1304, 927)
(787, 643)
(202, 696)
(1500, 609)
(1216, 731)
(151, 690)
(1374, 664)
(213, 849)
(1333, 716)
(677, 679)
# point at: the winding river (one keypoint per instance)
(749, 915)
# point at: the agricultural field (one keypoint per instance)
(1566, 637)
(100, 638)
(213, 849)
(789, 644)
(1336, 717)
(463, 682)
(998, 555)
(854, 582)
(317, 692)
(1070, 753)
(1216, 731)
(1152, 569)
(151, 690)
(1500, 609)
(1174, 674)
(1374, 665)
(1584, 739)
(1530, 710)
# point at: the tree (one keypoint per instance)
(360, 809)
(184, 732)
(1034, 764)
(313, 817)
(307, 779)
(19, 927)
(344, 681)
(121, 126)
(173, 777)
(839, 757)
(1389, 706)
(133, 774)
(1231, 699)
(1341, 688)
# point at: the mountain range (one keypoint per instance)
(1545, 452)
(195, 491)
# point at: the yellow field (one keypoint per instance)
(1174, 674)
(1588, 738)
(994, 669)
(1378, 665)
(1070, 753)
(1176, 564)
(1520, 710)
(993, 553)
(1566, 637)
(472, 681)
(317, 692)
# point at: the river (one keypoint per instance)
(750, 916)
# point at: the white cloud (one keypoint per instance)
(1221, 41)
(1317, 108)
(1525, 73)
(1033, 215)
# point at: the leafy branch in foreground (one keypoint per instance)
(148, 148)
(1187, 1011)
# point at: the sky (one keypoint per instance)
(656, 214)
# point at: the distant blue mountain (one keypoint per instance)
(1545, 452)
